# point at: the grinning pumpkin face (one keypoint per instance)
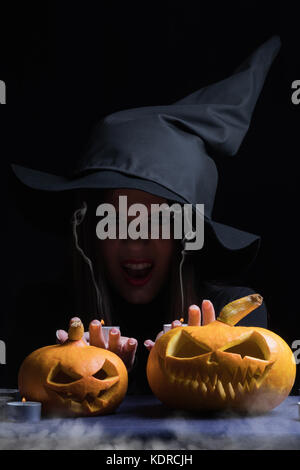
(74, 379)
(220, 365)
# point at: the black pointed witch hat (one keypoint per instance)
(167, 150)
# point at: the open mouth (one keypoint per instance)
(137, 272)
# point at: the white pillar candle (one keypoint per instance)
(6, 395)
(3, 401)
(19, 411)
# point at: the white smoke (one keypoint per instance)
(181, 431)
(74, 434)
(77, 219)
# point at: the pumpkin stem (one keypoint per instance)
(238, 309)
(76, 330)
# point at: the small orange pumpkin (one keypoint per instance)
(73, 378)
(219, 365)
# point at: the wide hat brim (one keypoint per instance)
(230, 245)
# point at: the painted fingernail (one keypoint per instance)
(146, 343)
(132, 342)
(58, 333)
(194, 307)
(114, 331)
(96, 322)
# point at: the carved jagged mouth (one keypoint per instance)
(216, 381)
(90, 398)
(89, 401)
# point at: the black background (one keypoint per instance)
(67, 64)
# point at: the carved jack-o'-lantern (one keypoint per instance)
(219, 365)
(73, 378)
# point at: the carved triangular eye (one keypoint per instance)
(184, 345)
(252, 346)
(100, 374)
(60, 376)
(107, 370)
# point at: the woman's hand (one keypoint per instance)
(123, 346)
(194, 319)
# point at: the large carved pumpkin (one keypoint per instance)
(74, 379)
(219, 365)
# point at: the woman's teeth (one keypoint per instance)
(137, 266)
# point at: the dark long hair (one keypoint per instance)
(93, 294)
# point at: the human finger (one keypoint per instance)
(61, 336)
(96, 334)
(175, 324)
(114, 341)
(128, 352)
(194, 316)
(149, 344)
(208, 312)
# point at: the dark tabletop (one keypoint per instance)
(142, 422)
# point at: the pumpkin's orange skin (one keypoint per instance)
(79, 397)
(191, 383)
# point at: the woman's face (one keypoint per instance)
(137, 269)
